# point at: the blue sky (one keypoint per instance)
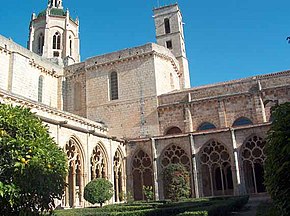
(225, 40)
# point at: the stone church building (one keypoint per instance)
(127, 115)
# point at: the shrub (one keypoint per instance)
(98, 191)
(277, 164)
(148, 192)
(32, 167)
(176, 182)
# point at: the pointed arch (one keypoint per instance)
(119, 172)
(99, 162)
(216, 171)
(253, 159)
(142, 172)
(75, 178)
(174, 154)
(242, 121)
(56, 40)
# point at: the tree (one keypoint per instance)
(32, 167)
(277, 164)
(98, 191)
(176, 182)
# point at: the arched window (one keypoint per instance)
(98, 163)
(75, 181)
(56, 41)
(114, 95)
(253, 157)
(142, 172)
(167, 25)
(173, 130)
(216, 169)
(40, 88)
(70, 46)
(40, 43)
(118, 176)
(242, 121)
(206, 126)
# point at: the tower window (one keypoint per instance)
(56, 41)
(40, 44)
(169, 44)
(40, 88)
(167, 25)
(70, 46)
(114, 86)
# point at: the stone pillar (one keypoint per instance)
(155, 171)
(73, 187)
(238, 186)
(117, 186)
(222, 114)
(67, 193)
(188, 120)
(194, 166)
(261, 102)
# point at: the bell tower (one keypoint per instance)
(54, 34)
(169, 33)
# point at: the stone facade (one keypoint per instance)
(127, 115)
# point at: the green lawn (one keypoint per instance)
(198, 207)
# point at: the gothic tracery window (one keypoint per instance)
(98, 163)
(253, 158)
(56, 41)
(142, 170)
(175, 154)
(73, 196)
(216, 169)
(118, 176)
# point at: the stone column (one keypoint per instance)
(194, 165)
(188, 120)
(117, 186)
(155, 171)
(73, 187)
(238, 187)
(67, 193)
(261, 102)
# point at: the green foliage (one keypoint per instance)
(176, 182)
(148, 192)
(267, 209)
(277, 165)
(196, 207)
(32, 167)
(98, 191)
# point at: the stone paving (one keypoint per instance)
(250, 208)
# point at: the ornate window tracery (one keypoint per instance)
(142, 170)
(118, 175)
(175, 154)
(73, 196)
(253, 158)
(56, 41)
(98, 163)
(215, 163)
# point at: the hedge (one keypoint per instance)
(214, 207)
